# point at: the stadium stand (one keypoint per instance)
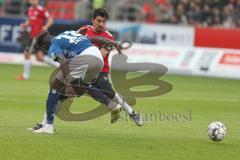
(205, 13)
(61, 9)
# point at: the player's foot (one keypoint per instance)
(48, 128)
(136, 118)
(21, 78)
(115, 115)
(36, 127)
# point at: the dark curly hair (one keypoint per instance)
(100, 12)
(43, 41)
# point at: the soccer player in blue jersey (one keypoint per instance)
(79, 60)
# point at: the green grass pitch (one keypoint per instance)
(197, 100)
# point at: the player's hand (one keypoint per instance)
(118, 48)
(23, 26)
(70, 91)
(110, 45)
(104, 52)
(125, 44)
(44, 28)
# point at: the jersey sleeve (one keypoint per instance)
(108, 35)
(83, 30)
(111, 38)
(54, 51)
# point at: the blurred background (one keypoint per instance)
(197, 37)
(197, 40)
(207, 13)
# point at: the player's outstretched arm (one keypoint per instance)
(64, 65)
(106, 43)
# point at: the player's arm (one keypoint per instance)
(64, 65)
(49, 21)
(99, 40)
(26, 22)
(48, 24)
(82, 30)
(104, 52)
(107, 44)
(56, 53)
(24, 25)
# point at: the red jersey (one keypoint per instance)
(37, 17)
(106, 34)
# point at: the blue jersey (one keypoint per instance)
(69, 43)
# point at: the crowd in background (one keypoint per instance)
(214, 13)
(210, 13)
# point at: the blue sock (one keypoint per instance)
(52, 101)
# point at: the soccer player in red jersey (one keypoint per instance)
(38, 21)
(98, 28)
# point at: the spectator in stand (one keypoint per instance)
(149, 13)
(207, 15)
(180, 14)
(229, 23)
(211, 13)
(130, 10)
(165, 11)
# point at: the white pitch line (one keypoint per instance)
(232, 99)
(22, 94)
(22, 101)
(202, 99)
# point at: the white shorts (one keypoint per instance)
(86, 66)
(92, 51)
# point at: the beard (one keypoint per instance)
(100, 29)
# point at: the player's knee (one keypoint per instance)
(27, 55)
(118, 98)
(39, 57)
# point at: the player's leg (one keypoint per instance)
(51, 103)
(40, 56)
(103, 83)
(27, 61)
(94, 66)
(39, 125)
(27, 65)
(97, 95)
(134, 116)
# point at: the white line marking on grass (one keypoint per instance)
(22, 101)
(202, 99)
(22, 94)
(235, 99)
